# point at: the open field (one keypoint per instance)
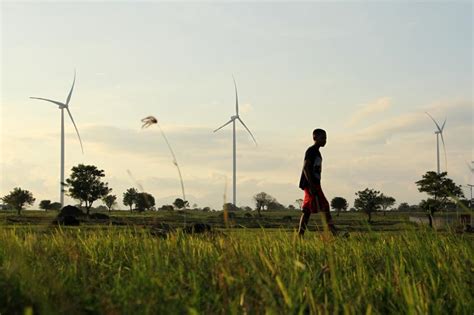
(390, 267)
(350, 221)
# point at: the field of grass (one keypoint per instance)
(391, 268)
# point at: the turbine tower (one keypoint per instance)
(233, 121)
(63, 106)
(438, 133)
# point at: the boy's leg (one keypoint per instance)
(304, 221)
(324, 208)
(308, 203)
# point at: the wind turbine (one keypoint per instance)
(233, 120)
(471, 168)
(438, 133)
(63, 106)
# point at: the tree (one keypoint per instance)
(262, 200)
(291, 207)
(100, 208)
(45, 204)
(18, 198)
(229, 206)
(404, 207)
(167, 208)
(442, 188)
(368, 201)
(275, 205)
(339, 204)
(130, 197)
(180, 203)
(110, 201)
(55, 206)
(85, 184)
(385, 202)
(299, 202)
(144, 201)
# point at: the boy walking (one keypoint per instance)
(314, 199)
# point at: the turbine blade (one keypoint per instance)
(439, 129)
(48, 100)
(236, 98)
(72, 88)
(248, 130)
(444, 123)
(470, 167)
(77, 131)
(444, 148)
(223, 125)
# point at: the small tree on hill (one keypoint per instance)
(229, 206)
(262, 200)
(275, 205)
(144, 201)
(130, 197)
(110, 201)
(85, 184)
(55, 206)
(339, 204)
(18, 198)
(180, 203)
(167, 208)
(386, 202)
(404, 207)
(45, 204)
(441, 188)
(368, 201)
(299, 203)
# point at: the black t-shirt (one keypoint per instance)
(314, 158)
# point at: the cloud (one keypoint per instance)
(369, 109)
(389, 155)
(246, 108)
(458, 113)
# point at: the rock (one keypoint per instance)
(118, 222)
(197, 228)
(159, 232)
(162, 226)
(71, 211)
(68, 220)
(468, 229)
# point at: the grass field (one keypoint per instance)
(390, 267)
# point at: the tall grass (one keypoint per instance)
(266, 271)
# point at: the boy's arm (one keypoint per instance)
(309, 177)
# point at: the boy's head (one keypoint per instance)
(319, 137)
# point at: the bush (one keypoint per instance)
(166, 208)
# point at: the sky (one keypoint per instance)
(366, 72)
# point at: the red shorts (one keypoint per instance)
(317, 203)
